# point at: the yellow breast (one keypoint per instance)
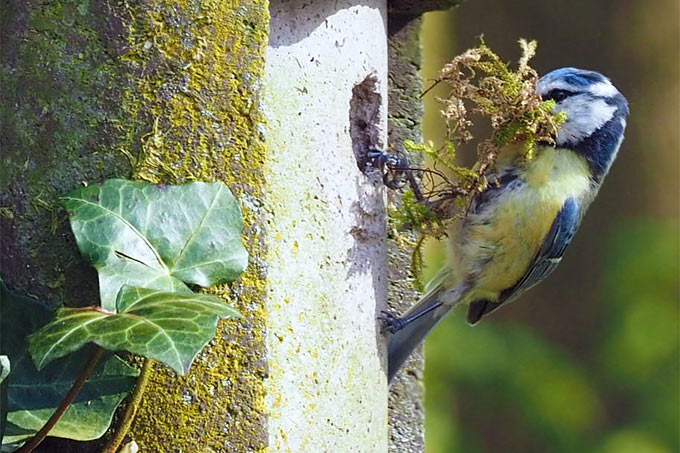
(497, 250)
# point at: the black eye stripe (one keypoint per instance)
(558, 95)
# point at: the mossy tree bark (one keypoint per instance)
(165, 92)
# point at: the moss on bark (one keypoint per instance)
(167, 92)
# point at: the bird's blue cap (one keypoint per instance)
(575, 77)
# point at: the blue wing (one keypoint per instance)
(548, 257)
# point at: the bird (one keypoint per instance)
(515, 232)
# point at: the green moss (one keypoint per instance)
(58, 114)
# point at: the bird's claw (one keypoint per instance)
(390, 322)
(392, 166)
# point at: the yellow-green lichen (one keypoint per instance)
(90, 88)
(195, 105)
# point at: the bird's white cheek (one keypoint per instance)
(584, 116)
(604, 89)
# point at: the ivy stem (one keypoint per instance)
(66, 402)
(131, 409)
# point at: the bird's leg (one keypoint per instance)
(389, 322)
(393, 324)
(394, 167)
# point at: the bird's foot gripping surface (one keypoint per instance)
(390, 322)
(394, 167)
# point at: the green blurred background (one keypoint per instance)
(589, 360)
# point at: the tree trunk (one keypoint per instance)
(166, 92)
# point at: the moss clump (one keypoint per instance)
(508, 98)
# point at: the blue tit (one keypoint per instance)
(516, 231)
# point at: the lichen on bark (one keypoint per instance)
(167, 92)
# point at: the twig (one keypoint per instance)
(131, 409)
(66, 402)
(428, 89)
(415, 187)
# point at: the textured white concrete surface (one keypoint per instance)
(326, 237)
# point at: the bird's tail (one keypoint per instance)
(425, 315)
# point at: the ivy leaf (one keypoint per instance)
(169, 327)
(32, 400)
(33, 396)
(157, 236)
(130, 273)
